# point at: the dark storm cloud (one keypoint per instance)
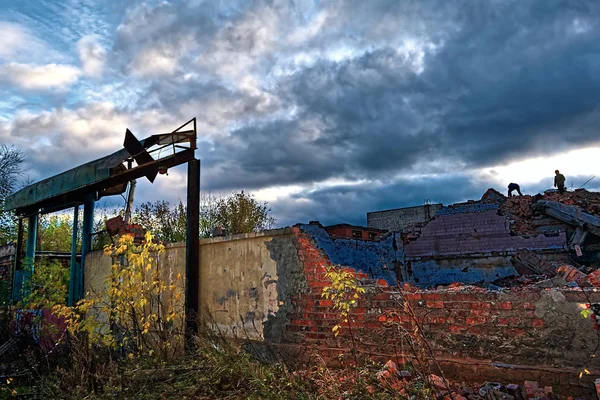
(305, 92)
(350, 203)
(502, 81)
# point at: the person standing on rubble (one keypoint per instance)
(559, 182)
(512, 187)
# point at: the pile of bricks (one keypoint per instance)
(572, 274)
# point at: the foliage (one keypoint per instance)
(11, 161)
(55, 232)
(167, 223)
(242, 213)
(344, 291)
(140, 308)
(214, 369)
(48, 285)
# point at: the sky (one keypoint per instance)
(327, 109)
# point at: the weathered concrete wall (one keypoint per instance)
(246, 281)
(398, 219)
(239, 281)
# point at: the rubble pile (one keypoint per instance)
(588, 201)
(524, 221)
(491, 390)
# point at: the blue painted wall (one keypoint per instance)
(375, 258)
(464, 270)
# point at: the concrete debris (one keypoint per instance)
(526, 262)
(514, 390)
(549, 213)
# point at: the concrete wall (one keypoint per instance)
(398, 219)
(240, 279)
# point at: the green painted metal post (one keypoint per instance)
(32, 228)
(73, 268)
(17, 263)
(86, 240)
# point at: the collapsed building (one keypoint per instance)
(495, 237)
(497, 284)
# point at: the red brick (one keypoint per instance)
(506, 305)
(435, 304)
(481, 305)
(318, 284)
(325, 303)
(301, 322)
(456, 328)
(382, 318)
(480, 313)
(528, 306)
(502, 322)
(538, 323)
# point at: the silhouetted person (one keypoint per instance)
(559, 182)
(512, 187)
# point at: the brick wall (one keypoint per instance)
(398, 219)
(519, 334)
(480, 232)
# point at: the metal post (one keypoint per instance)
(32, 227)
(86, 242)
(73, 268)
(17, 261)
(192, 250)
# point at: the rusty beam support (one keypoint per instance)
(192, 250)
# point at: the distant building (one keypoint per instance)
(398, 219)
(354, 232)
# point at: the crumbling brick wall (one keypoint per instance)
(526, 333)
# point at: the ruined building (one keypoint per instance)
(497, 284)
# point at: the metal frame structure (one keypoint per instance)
(107, 176)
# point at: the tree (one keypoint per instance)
(242, 213)
(11, 162)
(55, 232)
(168, 223)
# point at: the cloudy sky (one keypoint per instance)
(325, 108)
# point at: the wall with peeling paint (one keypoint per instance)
(238, 281)
(378, 259)
(239, 278)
